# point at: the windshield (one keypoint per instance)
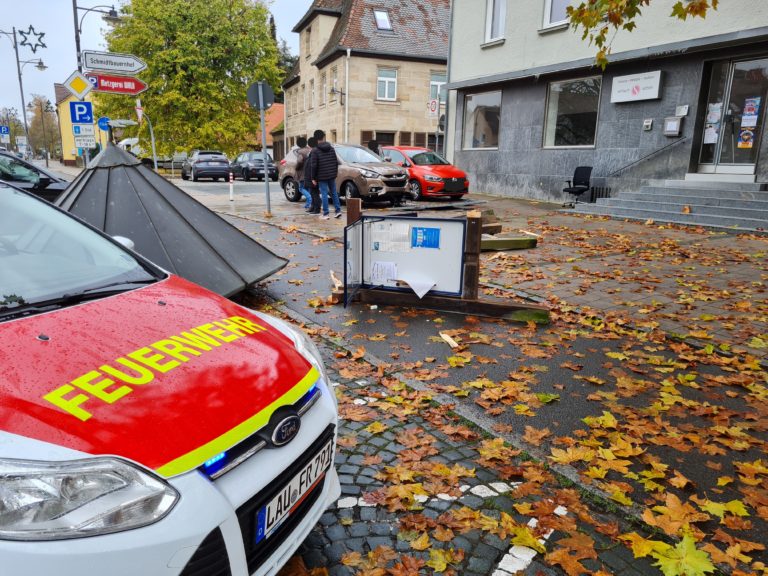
(45, 254)
(354, 154)
(259, 157)
(428, 158)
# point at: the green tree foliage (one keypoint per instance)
(201, 57)
(601, 18)
(43, 126)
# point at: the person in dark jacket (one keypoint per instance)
(313, 191)
(324, 169)
(302, 153)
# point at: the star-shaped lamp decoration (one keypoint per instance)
(31, 34)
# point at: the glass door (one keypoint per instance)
(734, 117)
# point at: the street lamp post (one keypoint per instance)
(110, 15)
(43, 112)
(20, 63)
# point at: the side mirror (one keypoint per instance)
(404, 164)
(387, 159)
(43, 183)
(126, 242)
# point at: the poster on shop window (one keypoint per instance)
(712, 127)
(750, 113)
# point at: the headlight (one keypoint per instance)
(70, 499)
(370, 174)
(430, 178)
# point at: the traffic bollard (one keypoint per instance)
(231, 187)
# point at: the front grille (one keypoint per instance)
(246, 514)
(450, 186)
(395, 182)
(210, 558)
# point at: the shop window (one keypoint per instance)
(571, 118)
(555, 12)
(386, 85)
(385, 138)
(495, 16)
(482, 113)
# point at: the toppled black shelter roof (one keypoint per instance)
(123, 198)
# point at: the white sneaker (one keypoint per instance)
(325, 217)
(338, 215)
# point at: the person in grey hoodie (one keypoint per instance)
(324, 167)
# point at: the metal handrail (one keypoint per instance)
(615, 172)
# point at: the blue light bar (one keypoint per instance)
(212, 461)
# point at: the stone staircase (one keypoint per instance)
(735, 206)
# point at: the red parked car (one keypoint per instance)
(429, 174)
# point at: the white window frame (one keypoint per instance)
(489, 6)
(311, 94)
(384, 16)
(303, 97)
(323, 89)
(548, 16)
(438, 85)
(387, 81)
(334, 81)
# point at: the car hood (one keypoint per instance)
(441, 170)
(168, 376)
(383, 168)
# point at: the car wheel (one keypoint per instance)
(274, 178)
(350, 191)
(291, 190)
(184, 175)
(215, 178)
(415, 189)
(246, 174)
(194, 175)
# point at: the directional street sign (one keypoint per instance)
(116, 84)
(112, 62)
(81, 112)
(78, 84)
(83, 129)
(85, 142)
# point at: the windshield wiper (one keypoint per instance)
(8, 312)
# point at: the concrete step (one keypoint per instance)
(710, 184)
(725, 194)
(756, 213)
(655, 195)
(730, 223)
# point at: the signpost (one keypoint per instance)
(78, 85)
(86, 142)
(116, 84)
(5, 134)
(104, 123)
(81, 112)
(433, 107)
(261, 96)
(112, 62)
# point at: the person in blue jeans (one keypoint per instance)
(324, 167)
(301, 162)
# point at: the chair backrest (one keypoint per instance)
(581, 175)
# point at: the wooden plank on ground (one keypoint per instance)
(496, 244)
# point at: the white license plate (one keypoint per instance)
(269, 517)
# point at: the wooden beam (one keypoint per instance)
(520, 243)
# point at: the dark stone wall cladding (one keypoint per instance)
(522, 168)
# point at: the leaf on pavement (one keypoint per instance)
(684, 559)
(534, 436)
(421, 543)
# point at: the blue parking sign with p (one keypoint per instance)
(5, 130)
(81, 112)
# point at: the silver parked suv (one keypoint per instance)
(362, 174)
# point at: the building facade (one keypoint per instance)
(369, 70)
(677, 101)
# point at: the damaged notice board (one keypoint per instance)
(407, 254)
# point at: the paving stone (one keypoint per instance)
(346, 479)
(402, 546)
(347, 469)
(356, 459)
(376, 441)
(359, 530)
(368, 471)
(335, 551)
(462, 543)
(315, 539)
(387, 456)
(351, 490)
(471, 501)
(485, 551)
(381, 529)
(340, 459)
(314, 559)
(485, 476)
(483, 491)
(440, 505)
(503, 503)
(356, 545)
(482, 565)
(336, 532)
(364, 481)
(452, 455)
(496, 542)
(512, 564)
(468, 453)
(375, 541)
(523, 552)
(368, 514)
(328, 519)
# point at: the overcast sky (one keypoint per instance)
(55, 19)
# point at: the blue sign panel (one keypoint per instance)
(5, 130)
(104, 123)
(81, 112)
(425, 237)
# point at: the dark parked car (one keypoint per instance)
(205, 164)
(249, 165)
(29, 177)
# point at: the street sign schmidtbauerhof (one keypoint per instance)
(112, 62)
(78, 84)
(116, 84)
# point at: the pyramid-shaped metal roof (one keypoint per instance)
(121, 197)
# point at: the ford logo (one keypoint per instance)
(286, 430)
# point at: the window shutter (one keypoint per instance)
(366, 136)
(419, 139)
(405, 138)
